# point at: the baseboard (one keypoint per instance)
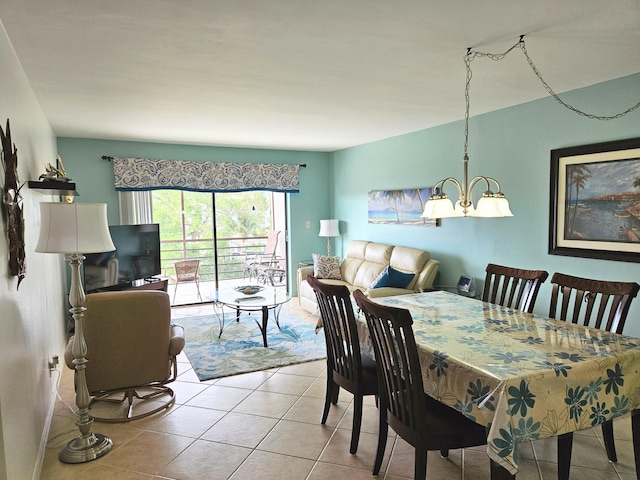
(56, 375)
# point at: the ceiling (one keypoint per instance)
(304, 74)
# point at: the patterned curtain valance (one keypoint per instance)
(147, 174)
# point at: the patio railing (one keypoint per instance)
(231, 255)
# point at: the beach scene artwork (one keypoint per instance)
(400, 207)
(602, 201)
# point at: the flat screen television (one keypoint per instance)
(135, 259)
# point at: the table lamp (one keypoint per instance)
(329, 228)
(74, 229)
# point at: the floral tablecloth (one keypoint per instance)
(525, 377)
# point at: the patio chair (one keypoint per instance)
(186, 271)
(265, 266)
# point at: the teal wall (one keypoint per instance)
(94, 180)
(513, 145)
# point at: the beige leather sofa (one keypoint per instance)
(363, 263)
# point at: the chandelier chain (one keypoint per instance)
(472, 54)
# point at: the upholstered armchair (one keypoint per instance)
(132, 347)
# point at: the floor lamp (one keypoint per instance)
(329, 228)
(74, 229)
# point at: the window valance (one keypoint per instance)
(133, 174)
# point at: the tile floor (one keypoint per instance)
(266, 425)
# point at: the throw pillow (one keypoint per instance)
(326, 267)
(390, 277)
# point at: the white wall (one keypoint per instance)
(31, 317)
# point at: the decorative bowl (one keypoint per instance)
(249, 289)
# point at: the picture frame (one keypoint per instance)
(595, 201)
(400, 207)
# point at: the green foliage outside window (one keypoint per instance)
(189, 233)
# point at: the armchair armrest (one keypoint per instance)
(304, 271)
(177, 339)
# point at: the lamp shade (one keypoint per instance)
(440, 208)
(74, 228)
(329, 228)
(487, 207)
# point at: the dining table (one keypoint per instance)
(524, 376)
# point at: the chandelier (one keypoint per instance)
(492, 203)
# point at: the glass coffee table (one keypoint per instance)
(266, 299)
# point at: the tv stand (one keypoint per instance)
(150, 284)
(146, 284)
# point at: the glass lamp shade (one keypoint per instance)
(493, 206)
(439, 208)
(74, 228)
(503, 206)
(329, 228)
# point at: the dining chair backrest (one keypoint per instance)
(399, 373)
(340, 331)
(512, 287)
(594, 303)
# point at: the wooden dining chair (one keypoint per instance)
(416, 417)
(347, 367)
(512, 287)
(598, 304)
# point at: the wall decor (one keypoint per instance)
(595, 201)
(13, 206)
(400, 207)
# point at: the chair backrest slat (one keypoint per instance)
(594, 303)
(512, 287)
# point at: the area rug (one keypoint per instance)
(240, 349)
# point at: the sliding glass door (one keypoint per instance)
(220, 230)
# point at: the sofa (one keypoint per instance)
(367, 264)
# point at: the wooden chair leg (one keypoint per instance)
(383, 430)
(565, 445)
(609, 443)
(420, 470)
(335, 394)
(499, 473)
(357, 423)
(327, 399)
(635, 431)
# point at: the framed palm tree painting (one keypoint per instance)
(400, 207)
(595, 201)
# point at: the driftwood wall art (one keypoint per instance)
(13, 206)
